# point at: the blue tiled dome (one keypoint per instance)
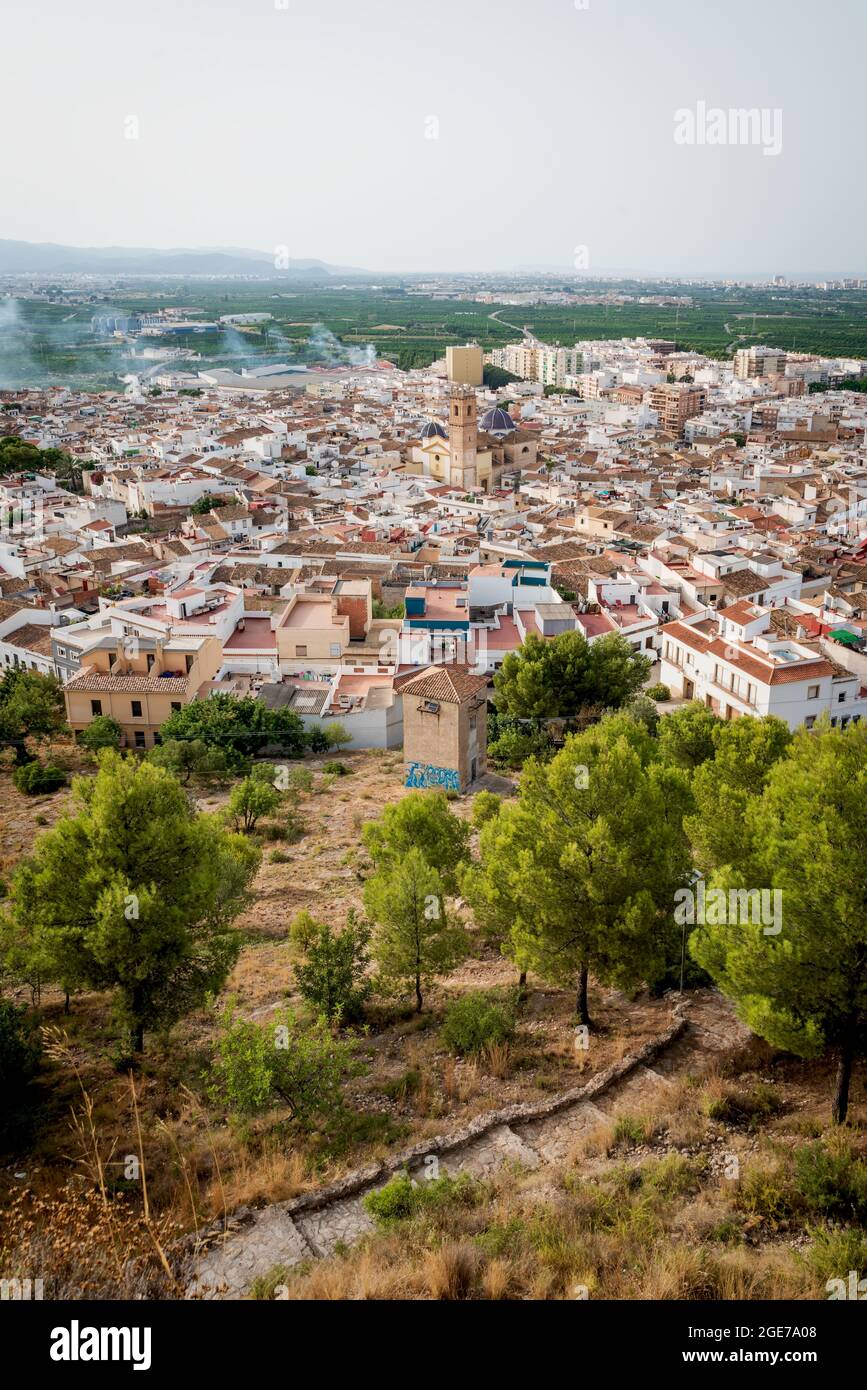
(433, 430)
(497, 422)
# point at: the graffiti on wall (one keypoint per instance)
(422, 775)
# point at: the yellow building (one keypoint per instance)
(465, 365)
(140, 684)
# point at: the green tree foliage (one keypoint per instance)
(422, 821)
(190, 758)
(39, 779)
(381, 612)
(250, 801)
(206, 504)
(587, 861)
(723, 786)
(19, 1048)
(31, 706)
(415, 941)
(560, 678)
(337, 736)
(478, 1020)
(686, 736)
(257, 1069)
(511, 742)
(241, 728)
(135, 893)
(804, 988)
(101, 732)
(332, 978)
(496, 901)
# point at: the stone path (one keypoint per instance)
(226, 1262)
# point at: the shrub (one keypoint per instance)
(256, 1069)
(744, 1107)
(300, 781)
(831, 1181)
(766, 1195)
(834, 1253)
(486, 806)
(19, 1047)
(402, 1198)
(279, 856)
(335, 769)
(102, 732)
(478, 1020)
(513, 747)
(38, 779)
(338, 736)
(660, 693)
(302, 930)
(332, 977)
(250, 800)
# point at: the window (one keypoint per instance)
(136, 709)
(813, 692)
(334, 649)
(841, 698)
(140, 739)
(176, 705)
(300, 651)
(810, 721)
(96, 708)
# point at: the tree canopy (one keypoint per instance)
(561, 677)
(31, 706)
(135, 892)
(422, 821)
(242, 728)
(586, 862)
(802, 985)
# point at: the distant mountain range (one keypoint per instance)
(46, 258)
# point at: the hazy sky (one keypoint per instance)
(306, 126)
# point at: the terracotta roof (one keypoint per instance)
(91, 680)
(452, 685)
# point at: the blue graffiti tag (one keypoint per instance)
(420, 775)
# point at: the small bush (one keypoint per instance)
(660, 693)
(403, 1086)
(832, 1182)
(766, 1195)
(19, 1047)
(834, 1253)
(744, 1107)
(629, 1129)
(486, 806)
(477, 1021)
(257, 1069)
(302, 930)
(279, 856)
(335, 769)
(252, 799)
(332, 978)
(38, 779)
(402, 1198)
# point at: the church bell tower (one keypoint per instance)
(463, 437)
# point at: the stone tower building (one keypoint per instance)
(463, 437)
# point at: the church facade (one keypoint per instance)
(472, 454)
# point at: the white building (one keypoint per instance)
(734, 663)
